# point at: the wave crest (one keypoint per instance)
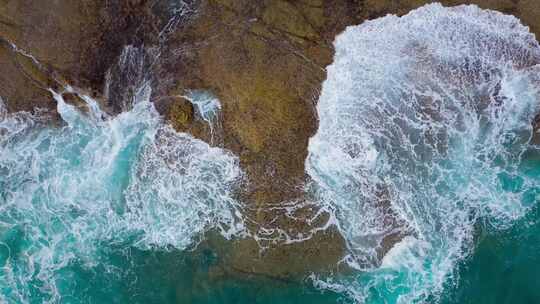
(66, 191)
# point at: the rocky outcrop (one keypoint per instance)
(265, 60)
(23, 83)
(73, 41)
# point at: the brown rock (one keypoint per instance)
(22, 85)
(181, 114)
(78, 41)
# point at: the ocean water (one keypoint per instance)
(504, 267)
(74, 197)
(426, 139)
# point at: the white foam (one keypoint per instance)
(431, 110)
(128, 179)
(207, 106)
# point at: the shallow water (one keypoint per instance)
(425, 132)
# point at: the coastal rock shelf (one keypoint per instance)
(321, 147)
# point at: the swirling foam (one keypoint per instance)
(130, 179)
(426, 128)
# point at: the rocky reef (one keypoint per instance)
(263, 60)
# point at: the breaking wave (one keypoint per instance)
(426, 133)
(94, 180)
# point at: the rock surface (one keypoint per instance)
(265, 60)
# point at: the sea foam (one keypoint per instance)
(426, 131)
(67, 191)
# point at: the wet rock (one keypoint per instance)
(54, 33)
(181, 113)
(79, 41)
(265, 62)
(22, 84)
(535, 140)
(75, 100)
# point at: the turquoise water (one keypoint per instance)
(83, 203)
(504, 268)
(172, 277)
(431, 112)
(505, 265)
(131, 275)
